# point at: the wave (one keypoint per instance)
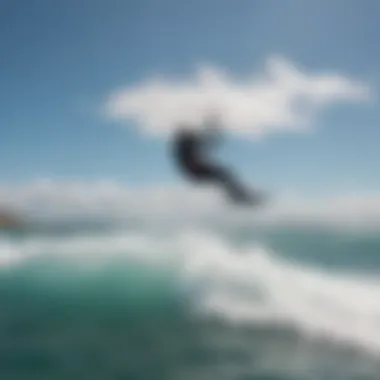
(240, 285)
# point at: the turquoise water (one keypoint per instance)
(85, 303)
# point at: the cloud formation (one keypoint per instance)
(282, 98)
(108, 200)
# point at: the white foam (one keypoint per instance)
(90, 249)
(241, 285)
(339, 307)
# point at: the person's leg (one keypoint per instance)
(207, 172)
(235, 189)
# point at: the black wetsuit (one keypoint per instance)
(188, 152)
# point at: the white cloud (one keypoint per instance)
(282, 98)
(107, 199)
(48, 198)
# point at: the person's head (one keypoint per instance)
(212, 119)
(183, 129)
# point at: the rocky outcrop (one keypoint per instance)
(9, 220)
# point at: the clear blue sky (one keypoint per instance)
(59, 60)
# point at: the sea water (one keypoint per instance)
(187, 303)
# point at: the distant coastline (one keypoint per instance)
(9, 220)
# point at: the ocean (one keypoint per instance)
(128, 302)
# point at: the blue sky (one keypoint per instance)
(61, 60)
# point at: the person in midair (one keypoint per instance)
(190, 148)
